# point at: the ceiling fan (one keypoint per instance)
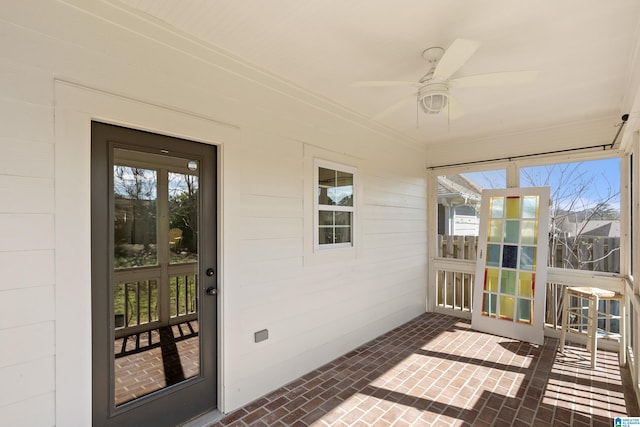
(433, 94)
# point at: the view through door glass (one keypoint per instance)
(153, 361)
(155, 287)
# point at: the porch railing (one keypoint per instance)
(140, 302)
(455, 274)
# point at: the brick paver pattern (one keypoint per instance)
(436, 371)
(149, 361)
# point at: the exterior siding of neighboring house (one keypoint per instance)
(458, 205)
(61, 66)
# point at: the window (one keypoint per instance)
(334, 205)
(584, 214)
(458, 198)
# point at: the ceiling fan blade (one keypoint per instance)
(454, 57)
(455, 108)
(390, 109)
(384, 83)
(495, 79)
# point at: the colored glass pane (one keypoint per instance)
(528, 232)
(495, 230)
(527, 258)
(491, 279)
(524, 310)
(493, 255)
(513, 207)
(525, 284)
(530, 207)
(508, 282)
(507, 307)
(509, 256)
(512, 231)
(489, 304)
(497, 207)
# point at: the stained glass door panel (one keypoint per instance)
(511, 266)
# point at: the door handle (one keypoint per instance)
(211, 291)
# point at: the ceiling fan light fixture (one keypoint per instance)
(434, 98)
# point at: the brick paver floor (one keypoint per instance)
(152, 360)
(435, 370)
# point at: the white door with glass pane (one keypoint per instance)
(511, 268)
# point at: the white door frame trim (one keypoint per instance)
(75, 107)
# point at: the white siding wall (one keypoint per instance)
(316, 306)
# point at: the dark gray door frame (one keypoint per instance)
(194, 396)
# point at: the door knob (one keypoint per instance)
(211, 291)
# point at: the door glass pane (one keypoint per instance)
(524, 311)
(491, 279)
(495, 230)
(155, 289)
(513, 207)
(135, 210)
(512, 231)
(183, 217)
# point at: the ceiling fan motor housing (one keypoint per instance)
(433, 98)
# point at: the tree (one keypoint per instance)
(579, 197)
(183, 209)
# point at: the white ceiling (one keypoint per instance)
(583, 50)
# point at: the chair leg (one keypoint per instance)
(565, 317)
(623, 332)
(592, 329)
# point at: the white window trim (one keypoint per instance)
(318, 163)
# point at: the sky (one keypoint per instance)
(579, 183)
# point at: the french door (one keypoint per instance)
(509, 291)
(153, 277)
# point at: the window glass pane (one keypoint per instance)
(458, 200)
(325, 236)
(325, 218)
(326, 184)
(183, 217)
(335, 187)
(326, 177)
(584, 216)
(135, 208)
(343, 234)
(344, 189)
(343, 218)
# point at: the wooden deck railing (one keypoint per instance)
(455, 273)
(138, 297)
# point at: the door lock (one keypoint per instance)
(211, 291)
(210, 272)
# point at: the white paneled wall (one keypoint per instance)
(316, 306)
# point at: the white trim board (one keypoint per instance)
(75, 107)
